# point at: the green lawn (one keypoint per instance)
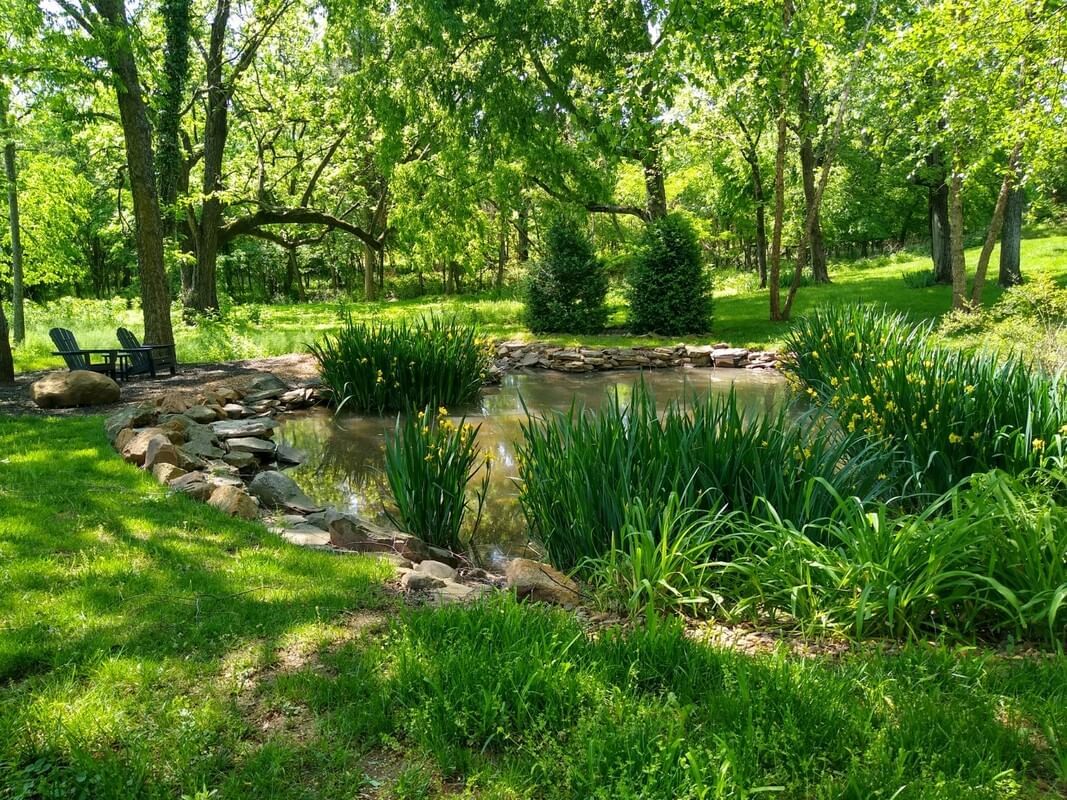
(740, 318)
(151, 647)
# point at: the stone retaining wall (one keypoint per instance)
(541, 355)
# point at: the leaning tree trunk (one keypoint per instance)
(137, 133)
(11, 170)
(957, 258)
(1011, 239)
(993, 234)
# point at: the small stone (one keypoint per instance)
(236, 411)
(165, 473)
(135, 448)
(160, 450)
(306, 536)
(436, 569)
(532, 580)
(202, 414)
(420, 582)
(173, 403)
(136, 416)
(234, 501)
(200, 449)
(194, 484)
(289, 455)
(243, 461)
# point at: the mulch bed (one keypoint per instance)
(294, 368)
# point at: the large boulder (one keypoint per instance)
(277, 490)
(532, 580)
(79, 387)
(233, 500)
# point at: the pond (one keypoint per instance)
(346, 453)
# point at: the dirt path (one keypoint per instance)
(294, 368)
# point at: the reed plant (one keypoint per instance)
(949, 413)
(581, 469)
(379, 367)
(430, 462)
(987, 559)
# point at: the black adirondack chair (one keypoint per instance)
(145, 359)
(80, 358)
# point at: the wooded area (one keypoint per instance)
(217, 152)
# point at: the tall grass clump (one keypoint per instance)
(375, 367)
(987, 559)
(429, 463)
(661, 562)
(949, 413)
(579, 470)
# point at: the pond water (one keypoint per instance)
(346, 453)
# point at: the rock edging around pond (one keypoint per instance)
(217, 446)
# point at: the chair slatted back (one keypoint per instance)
(128, 339)
(66, 345)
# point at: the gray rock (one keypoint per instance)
(202, 449)
(202, 414)
(236, 411)
(277, 490)
(136, 416)
(289, 455)
(436, 569)
(420, 582)
(243, 461)
(194, 484)
(243, 428)
(251, 444)
(267, 382)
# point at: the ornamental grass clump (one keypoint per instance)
(580, 470)
(949, 413)
(379, 367)
(430, 462)
(987, 559)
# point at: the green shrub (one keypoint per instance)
(565, 292)
(429, 463)
(669, 292)
(987, 559)
(580, 470)
(389, 366)
(949, 413)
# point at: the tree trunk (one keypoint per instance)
(807, 169)
(216, 126)
(17, 314)
(761, 216)
(7, 363)
(370, 266)
(816, 249)
(654, 185)
(137, 133)
(502, 252)
(955, 226)
(940, 233)
(1011, 238)
(175, 15)
(522, 226)
(779, 217)
(993, 234)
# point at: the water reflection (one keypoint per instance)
(345, 453)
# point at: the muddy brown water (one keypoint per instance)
(346, 453)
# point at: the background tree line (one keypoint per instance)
(213, 150)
